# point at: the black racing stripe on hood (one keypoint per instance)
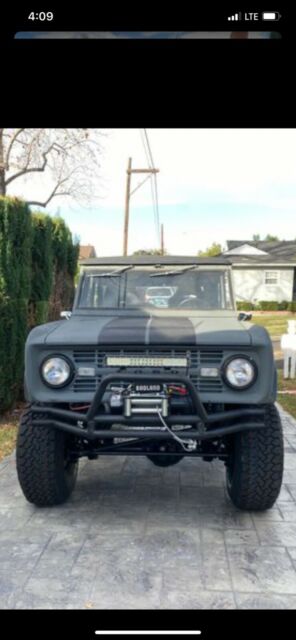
(129, 330)
(171, 330)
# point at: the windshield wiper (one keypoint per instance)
(116, 272)
(174, 273)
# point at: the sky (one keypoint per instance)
(213, 185)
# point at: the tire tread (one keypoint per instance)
(258, 465)
(38, 457)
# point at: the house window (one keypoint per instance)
(271, 277)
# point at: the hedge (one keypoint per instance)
(15, 289)
(245, 306)
(292, 306)
(42, 268)
(38, 262)
(283, 306)
(65, 259)
(54, 266)
(267, 305)
(273, 305)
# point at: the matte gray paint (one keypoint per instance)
(229, 333)
(107, 328)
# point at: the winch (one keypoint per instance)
(147, 399)
(145, 404)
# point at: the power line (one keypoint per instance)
(154, 192)
(142, 132)
(154, 181)
(149, 160)
(149, 147)
(128, 194)
(140, 184)
(156, 201)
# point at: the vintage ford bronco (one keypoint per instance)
(153, 360)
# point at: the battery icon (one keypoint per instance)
(271, 15)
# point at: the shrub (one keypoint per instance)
(265, 305)
(245, 306)
(292, 306)
(42, 268)
(268, 305)
(283, 306)
(15, 288)
(38, 263)
(65, 259)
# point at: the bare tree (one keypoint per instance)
(70, 158)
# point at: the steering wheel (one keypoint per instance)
(191, 300)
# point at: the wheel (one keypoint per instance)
(255, 471)
(46, 475)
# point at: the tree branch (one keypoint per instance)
(55, 192)
(69, 158)
(24, 171)
(12, 141)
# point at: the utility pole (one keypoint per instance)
(127, 201)
(128, 195)
(162, 240)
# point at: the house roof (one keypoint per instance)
(134, 260)
(86, 251)
(275, 252)
(247, 250)
(285, 248)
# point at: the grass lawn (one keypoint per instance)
(8, 430)
(275, 324)
(288, 401)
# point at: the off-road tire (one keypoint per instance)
(254, 474)
(46, 477)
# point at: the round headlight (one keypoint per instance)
(240, 373)
(56, 371)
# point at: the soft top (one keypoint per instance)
(138, 260)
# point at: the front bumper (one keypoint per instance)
(96, 423)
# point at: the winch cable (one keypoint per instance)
(187, 445)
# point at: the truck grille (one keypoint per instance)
(85, 385)
(196, 357)
(207, 385)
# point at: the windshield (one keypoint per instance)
(174, 288)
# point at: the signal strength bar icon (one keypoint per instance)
(236, 16)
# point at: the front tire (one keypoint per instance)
(46, 474)
(255, 472)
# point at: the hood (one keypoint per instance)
(158, 330)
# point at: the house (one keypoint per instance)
(86, 251)
(263, 270)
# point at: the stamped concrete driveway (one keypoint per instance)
(135, 536)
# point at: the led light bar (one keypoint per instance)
(138, 361)
(147, 633)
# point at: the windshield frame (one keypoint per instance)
(150, 310)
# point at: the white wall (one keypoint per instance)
(249, 284)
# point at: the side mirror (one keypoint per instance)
(244, 316)
(66, 314)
